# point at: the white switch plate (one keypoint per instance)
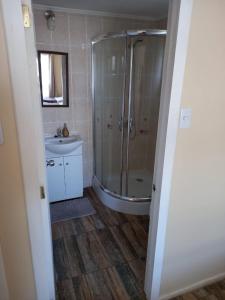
(1, 135)
(185, 117)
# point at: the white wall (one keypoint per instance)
(195, 242)
(24, 216)
(14, 237)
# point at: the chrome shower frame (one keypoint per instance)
(99, 38)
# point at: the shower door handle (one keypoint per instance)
(131, 124)
(124, 124)
(120, 124)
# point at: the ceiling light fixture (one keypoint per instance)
(50, 18)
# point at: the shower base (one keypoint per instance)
(138, 183)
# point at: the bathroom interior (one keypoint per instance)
(100, 68)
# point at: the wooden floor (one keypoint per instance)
(211, 292)
(100, 257)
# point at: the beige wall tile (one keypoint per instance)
(77, 30)
(64, 115)
(49, 114)
(109, 24)
(81, 110)
(79, 87)
(60, 36)
(78, 59)
(43, 35)
(94, 28)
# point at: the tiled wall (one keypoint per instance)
(73, 34)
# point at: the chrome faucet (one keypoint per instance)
(59, 132)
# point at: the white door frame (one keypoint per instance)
(21, 52)
(179, 19)
(3, 283)
(30, 136)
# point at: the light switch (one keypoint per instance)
(1, 135)
(185, 117)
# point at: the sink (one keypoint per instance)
(62, 145)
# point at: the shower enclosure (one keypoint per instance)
(126, 84)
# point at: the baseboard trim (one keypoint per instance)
(194, 286)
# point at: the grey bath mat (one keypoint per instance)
(70, 209)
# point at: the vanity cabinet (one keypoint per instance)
(65, 177)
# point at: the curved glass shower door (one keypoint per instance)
(127, 76)
(108, 87)
(146, 62)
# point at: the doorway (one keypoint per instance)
(37, 270)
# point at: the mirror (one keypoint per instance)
(53, 75)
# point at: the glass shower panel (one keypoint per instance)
(145, 90)
(109, 81)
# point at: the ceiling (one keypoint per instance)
(155, 9)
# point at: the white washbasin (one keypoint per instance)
(62, 145)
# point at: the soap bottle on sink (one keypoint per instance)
(65, 131)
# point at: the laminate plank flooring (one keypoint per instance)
(100, 257)
(214, 291)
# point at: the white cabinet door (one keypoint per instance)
(73, 176)
(55, 177)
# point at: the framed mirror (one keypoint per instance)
(54, 78)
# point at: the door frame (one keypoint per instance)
(179, 20)
(28, 107)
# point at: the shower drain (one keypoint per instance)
(139, 180)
